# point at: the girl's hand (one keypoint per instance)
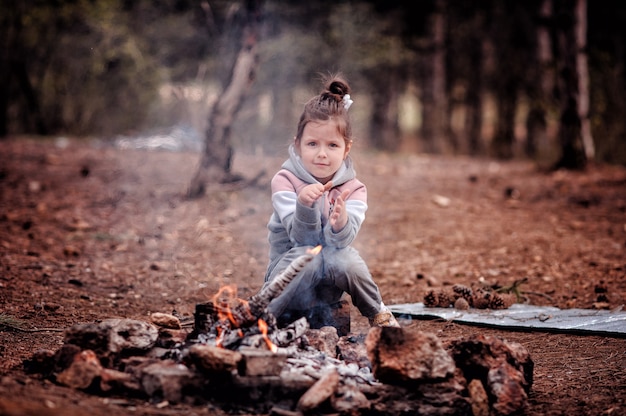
(311, 193)
(339, 217)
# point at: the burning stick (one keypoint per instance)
(259, 302)
(229, 316)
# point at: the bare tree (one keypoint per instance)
(541, 81)
(434, 86)
(434, 96)
(216, 161)
(384, 129)
(583, 77)
(509, 33)
(573, 155)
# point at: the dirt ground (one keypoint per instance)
(89, 232)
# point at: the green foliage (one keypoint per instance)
(100, 80)
(96, 65)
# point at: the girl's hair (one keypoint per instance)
(328, 105)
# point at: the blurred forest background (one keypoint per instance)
(537, 79)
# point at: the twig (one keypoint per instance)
(514, 288)
(539, 294)
(17, 328)
(10, 322)
(520, 294)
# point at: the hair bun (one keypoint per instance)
(337, 86)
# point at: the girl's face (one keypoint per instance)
(322, 149)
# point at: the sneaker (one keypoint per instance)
(384, 318)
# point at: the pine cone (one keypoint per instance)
(462, 291)
(481, 299)
(501, 301)
(438, 299)
(445, 300)
(431, 299)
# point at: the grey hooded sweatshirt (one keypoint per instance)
(294, 228)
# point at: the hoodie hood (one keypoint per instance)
(294, 164)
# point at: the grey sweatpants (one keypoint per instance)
(324, 280)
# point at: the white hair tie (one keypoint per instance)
(347, 102)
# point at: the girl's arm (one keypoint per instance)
(354, 207)
(302, 223)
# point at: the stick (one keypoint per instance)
(259, 302)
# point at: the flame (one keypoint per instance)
(223, 300)
(220, 338)
(263, 328)
(315, 250)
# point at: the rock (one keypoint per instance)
(258, 362)
(41, 362)
(349, 400)
(351, 349)
(319, 392)
(507, 385)
(478, 398)
(504, 368)
(398, 356)
(441, 201)
(171, 338)
(130, 335)
(168, 380)
(210, 359)
(114, 380)
(64, 357)
(71, 251)
(324, 339)
(165, 320)
(82, 372)
(430, 398)
(113, 336)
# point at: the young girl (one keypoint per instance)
(317, 200)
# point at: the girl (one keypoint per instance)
(317, 200)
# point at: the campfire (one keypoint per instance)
(228, 321)
(236, 356)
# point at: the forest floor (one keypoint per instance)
(89, 232)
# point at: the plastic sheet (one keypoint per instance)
(529, 317)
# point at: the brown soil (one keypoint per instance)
(90, 232)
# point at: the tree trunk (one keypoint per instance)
(384, 126)
(583, 77)
(216, 162)
(14, 73)
(573, 154)
(475, 93)
(435, 98)
(502, 145)
(541, 87)
(505, 83)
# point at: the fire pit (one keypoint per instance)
(236, 356)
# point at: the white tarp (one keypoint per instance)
(521, 316)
